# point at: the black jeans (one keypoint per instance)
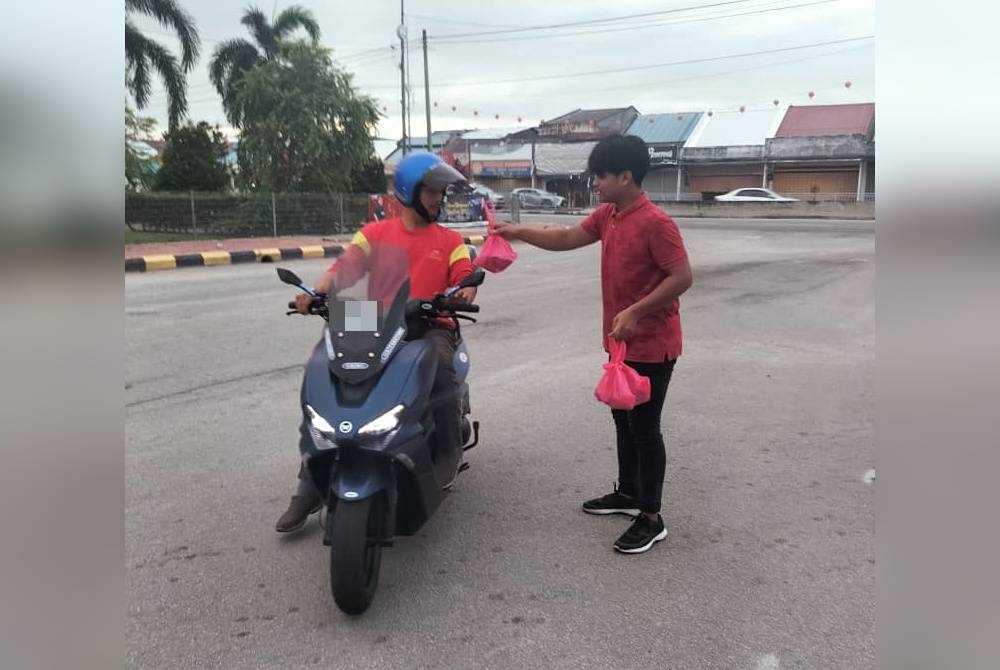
(445, 402)
(642, 455)
(446, 406)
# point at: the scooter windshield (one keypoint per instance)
(368, 313)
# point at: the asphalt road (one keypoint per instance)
(768, 500)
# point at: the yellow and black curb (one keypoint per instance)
(210, 258)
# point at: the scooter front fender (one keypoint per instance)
(360, 474)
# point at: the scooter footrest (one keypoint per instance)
(475, 434)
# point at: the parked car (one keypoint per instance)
(753, 195)
(496, 198)
(533, 197)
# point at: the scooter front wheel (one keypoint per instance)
(356, 553)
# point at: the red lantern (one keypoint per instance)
(742, 109)
(776, 101)
(812, 94)
(847, 84)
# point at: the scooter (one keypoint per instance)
(367, 432)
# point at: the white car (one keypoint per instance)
(753, 195)
(533, 197)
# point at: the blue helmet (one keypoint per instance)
(422, 168)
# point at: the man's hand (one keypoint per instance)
(508, 231)
(466, 295)
(624, 324)
(302, 303)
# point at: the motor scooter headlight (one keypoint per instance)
(322, 433)
(383, 425)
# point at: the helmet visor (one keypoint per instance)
(440, 176)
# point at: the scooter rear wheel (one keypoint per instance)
(356, 553)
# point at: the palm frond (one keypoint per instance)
(261, 29)
(296, 17)
(137, 65)
(170, 15)
(230, 57)
(173, 79)
(231, 60)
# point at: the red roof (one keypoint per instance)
(812, 120)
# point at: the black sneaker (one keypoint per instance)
(612, 503)
(641, 535)
(299, 509)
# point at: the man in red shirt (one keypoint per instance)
(437, 259)
(644, 270)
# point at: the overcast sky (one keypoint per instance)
(491, 65)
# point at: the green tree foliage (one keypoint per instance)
(144, 55)
(303, 127)
(193, 159)
(139, 168)
(369, 177)
(232, 59)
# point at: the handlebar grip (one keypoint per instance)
(458, 307)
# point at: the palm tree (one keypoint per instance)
(234, 57)
(143, 55)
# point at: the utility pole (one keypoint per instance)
(401, 32)
(427, 93)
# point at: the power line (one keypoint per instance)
(641, 26)
(591, 21)
(634, 68)
(438, 19)
(575, 91)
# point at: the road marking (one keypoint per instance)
(869, 477)
(768, 662)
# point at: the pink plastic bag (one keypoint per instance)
(621, 387)
(496, 254)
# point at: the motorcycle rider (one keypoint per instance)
(438, 259)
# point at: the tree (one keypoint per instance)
(139, 167)
(234, 58)
(143, 54)
(304, 127)
(194, 159)
(369, 177)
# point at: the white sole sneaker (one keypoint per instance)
(626, 511)
(646, 547)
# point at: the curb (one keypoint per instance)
(212, 258)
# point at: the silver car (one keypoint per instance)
(753, 195)
(533, 197)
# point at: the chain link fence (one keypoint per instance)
(218, 215)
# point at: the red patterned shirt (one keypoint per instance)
(638, 247)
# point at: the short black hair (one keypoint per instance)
(618, 153)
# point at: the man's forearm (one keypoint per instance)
(550, 238)
(325, 283)
(663, 295)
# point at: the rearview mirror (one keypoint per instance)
(477, 277)
(289, 277)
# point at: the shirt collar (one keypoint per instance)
(639, 202)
